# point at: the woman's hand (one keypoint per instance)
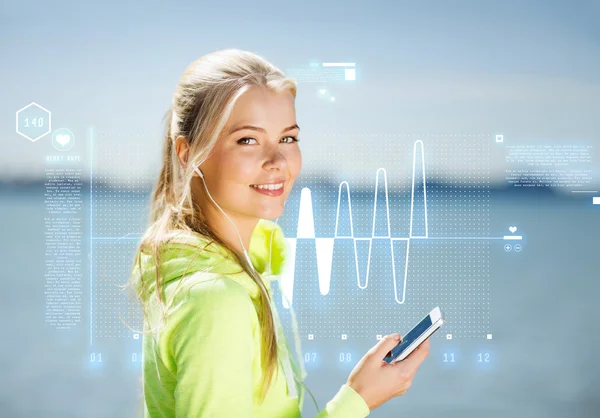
(376, 380)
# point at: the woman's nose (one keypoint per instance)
(276, 158)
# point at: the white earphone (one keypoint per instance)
(201, 174)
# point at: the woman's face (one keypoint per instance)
(256, 147)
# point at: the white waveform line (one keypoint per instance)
(412, 198)
(387, 205)
(324, 246)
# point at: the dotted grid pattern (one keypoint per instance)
(453, 274)
(120, 211)
(115, 307)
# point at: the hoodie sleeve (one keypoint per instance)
(211, 347)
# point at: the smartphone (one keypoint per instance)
(423, 330)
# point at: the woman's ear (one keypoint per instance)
(182, 148)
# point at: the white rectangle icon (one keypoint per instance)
(596, 200)
(349, 74)
(513, 237)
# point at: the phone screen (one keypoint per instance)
(408, 339)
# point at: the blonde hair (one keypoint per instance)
(202, 103)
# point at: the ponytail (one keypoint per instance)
(163, 196)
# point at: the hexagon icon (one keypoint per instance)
(33, 121)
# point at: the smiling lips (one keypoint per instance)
(273, 189)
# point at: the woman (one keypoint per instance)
(213, 345)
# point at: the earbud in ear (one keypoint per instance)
(200, 173)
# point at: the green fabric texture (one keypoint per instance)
(205, 360)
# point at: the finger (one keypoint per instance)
(385, 345)
(404, 386)
(414, 359)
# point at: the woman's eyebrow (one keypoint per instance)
(259, 129)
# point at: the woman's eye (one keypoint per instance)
(243, 140)
(294, 139)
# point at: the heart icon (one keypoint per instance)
(512, 229)
(63, 139)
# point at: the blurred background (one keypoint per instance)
(445, 108)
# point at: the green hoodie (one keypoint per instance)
(206, 359)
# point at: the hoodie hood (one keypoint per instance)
(189, 252)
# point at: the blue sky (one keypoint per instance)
(528, 69)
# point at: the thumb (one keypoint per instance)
(383, 347)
